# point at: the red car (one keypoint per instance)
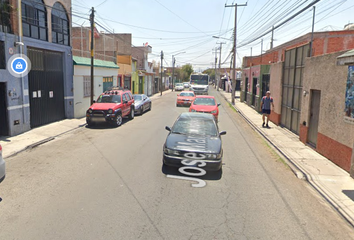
(205, 104)
(185, 98)
(111, 106)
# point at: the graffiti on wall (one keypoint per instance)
(349, 94)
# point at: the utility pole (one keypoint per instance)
(173, 67)
(161, 73)
(272, 38)
(313, 26)
(221, 43)
(261, 51)
(216, 61)
(173, 70)
(234, 60)
(92, 20)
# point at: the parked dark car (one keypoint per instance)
(142, 103)
(194, 136)
(111, 106)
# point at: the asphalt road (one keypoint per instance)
(108, 183)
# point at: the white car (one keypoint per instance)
(186, 84)
(2, 166)
(179, 87)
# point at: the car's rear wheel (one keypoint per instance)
(131, 114)
(118, 120)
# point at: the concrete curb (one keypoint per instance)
(297, 170)
(36, 144)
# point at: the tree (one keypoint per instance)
(210, 72)
(187, 70)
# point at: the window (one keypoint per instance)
(124, 98)
(5, 10)
(2, 55)
(127, 82)
(87, 86)
(60, 25)
(34, 20)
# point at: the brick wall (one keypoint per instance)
(324, 43)
(335, 151)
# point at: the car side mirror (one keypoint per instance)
(168, 128)
(94, 101)
(219, 104)
(222, 133)
(125, 101)
(177, 94)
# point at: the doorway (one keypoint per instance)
(246, 88)
(46, 87)
(254, 91)
(141, 86)
(314, 117)
(4, 126)
(265, 84)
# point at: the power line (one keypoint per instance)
(179, 17)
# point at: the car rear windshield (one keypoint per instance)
(204, 127)
(138, 97)
(204, 101)
(179, 84)
(185, 94)
(109, 99)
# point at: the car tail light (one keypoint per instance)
(0, 150)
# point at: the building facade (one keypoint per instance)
(41, 31)
(309, 91)
(145, 72)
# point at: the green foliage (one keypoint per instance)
(210, 72)
(187, 70)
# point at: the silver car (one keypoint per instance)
(142, 103)
(2, 166)
(186, 84)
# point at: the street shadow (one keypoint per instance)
(105, 125)
(349, 193)
(5, 138)
(210, 175)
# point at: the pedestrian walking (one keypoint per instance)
(266, 103)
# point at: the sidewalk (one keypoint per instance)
(332, 182)
(37, 136)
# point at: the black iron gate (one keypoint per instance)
(292, 87)
(46, 87)
(4, 131)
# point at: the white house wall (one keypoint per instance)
(81, 103)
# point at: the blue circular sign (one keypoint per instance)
(19, 65)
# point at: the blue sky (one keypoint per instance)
(184, 28)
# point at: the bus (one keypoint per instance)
(199, 83)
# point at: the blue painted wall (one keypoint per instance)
(18, 102)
